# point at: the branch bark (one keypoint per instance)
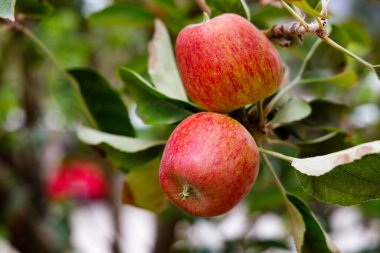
(286, 34)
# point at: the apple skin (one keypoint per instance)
(77, 179)
(209, 164)
(226, 63)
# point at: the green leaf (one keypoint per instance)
(294, 110)
(152, 106)
(219, 7)
(34, 8)
(331, 142)
(346, 79)
(162, 64)
(313, 3)
(261, 200)
(142, 188)
(325, 112)
(263, 17)
(346, 177)
(104, 104)
(357, 33)
(377, 70)
(329, 59)
(308, 234)
(305, 6)
(327, 118)
(121, 143)
(126, 14)
(125, 152)
(7, 9)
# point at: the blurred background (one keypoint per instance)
(59, 195)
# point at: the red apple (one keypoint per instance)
(78, 179)
(226, 63)
(209, 164)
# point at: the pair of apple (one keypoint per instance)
(211, 161)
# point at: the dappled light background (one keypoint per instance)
(60, 195)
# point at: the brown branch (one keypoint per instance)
(286, 34)
(203, 6)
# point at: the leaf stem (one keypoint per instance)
(346, 51)
(294, 14)
(279, 142)
(295, 81)
(246, 9)
(275, 154)
(276, 179)
(324, 4)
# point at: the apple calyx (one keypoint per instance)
(187, 191)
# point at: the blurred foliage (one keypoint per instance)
(40, 108)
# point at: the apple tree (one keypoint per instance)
(231, 100)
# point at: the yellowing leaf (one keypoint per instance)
(7, 9)
(309, 236)
(142, 188)
(319, 165)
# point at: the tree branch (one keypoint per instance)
(286, 34)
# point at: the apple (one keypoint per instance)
(77, 179)
(226, 63)
(209, 164)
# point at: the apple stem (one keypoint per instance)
(206, 18)
(187, 192)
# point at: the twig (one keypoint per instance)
(276, 179)
(294, 14)
(203, 6)
(295, 81)
(279, 142)
(285, 34)
(335, 45)
(325, 4)
(275, 154)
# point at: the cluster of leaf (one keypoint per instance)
(315, 127)
(163, 103)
